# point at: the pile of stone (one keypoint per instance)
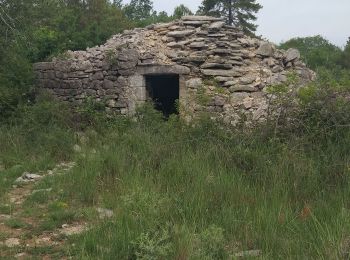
(223, 63)
(28, 177)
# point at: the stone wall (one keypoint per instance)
(221, 70)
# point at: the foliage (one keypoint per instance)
(211, 243)
(180, 191)
(316, 51)
(180, 11)
(345, 57)
(241, 13)
(138, 10)
(156, 245)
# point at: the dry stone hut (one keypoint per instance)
(202, 62)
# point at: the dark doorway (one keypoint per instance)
(164, 92)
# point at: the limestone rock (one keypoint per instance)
(194, 83)
(194, 23)
(128, 55)
(250, 253)
(266, 49)
(240, 88)
(223, 73)
(230, 83)
(77, 148)
(195, 58)
(105, 213)
(180, 34)
(292, 54)
(216, 66)
(248, 102)
(74, 229)
(112, 103)
(247, 80)
(12, 242)
(201, 18)
(219, 101)
(224, 79)
(222, 51)
(216, 25)
(28, 177)
(198, 45)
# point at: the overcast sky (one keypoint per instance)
(281, 20)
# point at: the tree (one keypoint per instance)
(316, 51)
(118, 3)
(180, 11)
(139, 10)
(240, 13)
(345, 57)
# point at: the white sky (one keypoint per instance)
(280, 20)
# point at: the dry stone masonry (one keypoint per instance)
(220, 70)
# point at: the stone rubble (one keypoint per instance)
(250, 253)
(105, 213)
(28, 177)
(73, 229)
(12, 242)
(197, 48)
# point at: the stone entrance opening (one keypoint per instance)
(164, 91)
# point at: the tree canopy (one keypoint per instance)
(180, 11)
(345, 57)
(241, 13)
(316, 51)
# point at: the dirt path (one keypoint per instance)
(19, 234)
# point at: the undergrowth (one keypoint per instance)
(193, 192)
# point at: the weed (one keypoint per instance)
(112, 57)
(187, 192)
(15, 223)
(211, 243)
(154, 245)
(202, 97)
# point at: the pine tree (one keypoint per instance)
(241, 13)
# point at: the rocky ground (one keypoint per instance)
(24, 229)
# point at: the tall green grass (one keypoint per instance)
(194, 192)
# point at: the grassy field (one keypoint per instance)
(176, 191)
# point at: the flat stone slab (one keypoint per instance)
(201, 18)
(198, 45)
(149, 69)
(222, 51)
(180, 34)
(217, 35)
(162, 26)
(223, 73)
(28, 177)
(216, 66)
(240, 88)
(224, 79)
(216, 25)
(194, 23)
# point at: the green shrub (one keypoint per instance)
(211, 243)
(154, 245)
